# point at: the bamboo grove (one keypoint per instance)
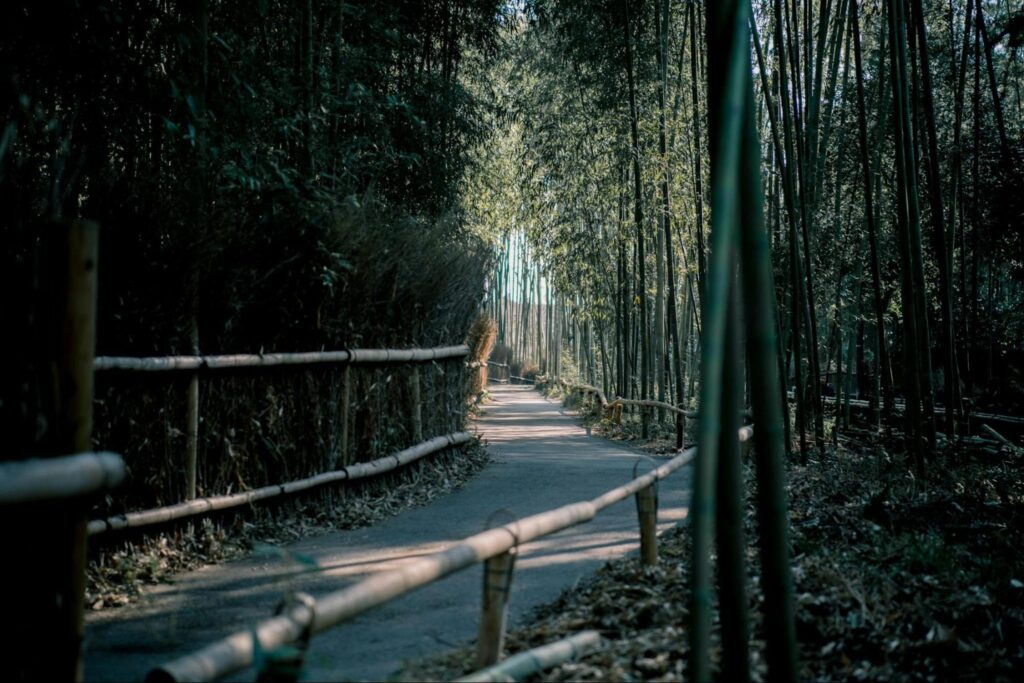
(890, 136)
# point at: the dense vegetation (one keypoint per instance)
(786, 205)
(610, 192)
(277, 176)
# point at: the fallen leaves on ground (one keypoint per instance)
(897, 578)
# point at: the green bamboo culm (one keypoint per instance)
(731, 539)
(766, 403)
(736, 213)
(728, 66)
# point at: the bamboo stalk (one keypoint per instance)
(57, 479)
(200, 506)
(526, 664)
(252, 360)
(235, 652)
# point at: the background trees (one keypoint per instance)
(275, 175)
(887, 131)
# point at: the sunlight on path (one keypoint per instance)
(542, 458)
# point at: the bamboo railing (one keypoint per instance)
(195, 365)
(900, 406)
(613, 409)
(310, 616)
(55, 479)
(268, 360)
(200, 506)
(525, 664)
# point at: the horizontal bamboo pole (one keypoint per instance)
(657, 404)
(267, 360)
(526, 664)
(69, 476)
(939, 410)
(235, 652)
(998, 437)
(497, 365)
(200, 506)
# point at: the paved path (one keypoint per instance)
(542, 458)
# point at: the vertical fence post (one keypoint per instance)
(192, 434)
(346, 397)
(647, 511)
(497, 583)
(44, 571)
(680, 427)
(417, 405)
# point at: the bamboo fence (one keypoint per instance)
(53, 479)
(201, 506)
(900, 406)
(267, 360)
(195, 365)
(308, 618)
(526, 664)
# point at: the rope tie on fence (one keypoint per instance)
(498, 578)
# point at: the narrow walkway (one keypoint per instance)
(542, 458)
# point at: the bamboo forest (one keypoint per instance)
(342, 331)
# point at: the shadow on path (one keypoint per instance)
(542, 459)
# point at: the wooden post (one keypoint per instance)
(192, 435)
(680, 427)
(346, 397)
(417, 405)
(497, 583)
(647, 511)
(44, 569)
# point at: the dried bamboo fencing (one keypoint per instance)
(196, 365)
(613, 409)
(900, 406)
(201, 506)
(55, 479)
(269, 360)
(308, 617)
(503, 373)
(526, 664)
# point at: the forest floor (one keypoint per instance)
(897, 578)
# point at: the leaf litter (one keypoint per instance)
(897, 578)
